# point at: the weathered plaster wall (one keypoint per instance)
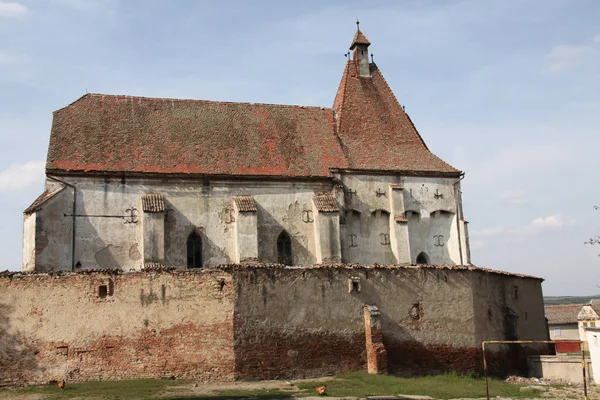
(429, 204)
(110, 236)
(564, 331)
(112, 230)
(296, 322)
(148, 325)
(29, 242)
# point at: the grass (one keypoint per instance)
(115, 390)
(447, 386)
(356, 384)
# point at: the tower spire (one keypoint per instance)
(360, 46)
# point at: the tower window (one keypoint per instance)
(194, 251)
(284, 249)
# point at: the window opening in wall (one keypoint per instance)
(516, 293)
(423, 258)
(593, 324)
(284, 249)
(194, 250)
(557, 332)
(102, 291)
(354, 285)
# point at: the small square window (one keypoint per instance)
(102, 291)
(585, 324)
(593, 324)
(557, 332)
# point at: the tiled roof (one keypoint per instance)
(153, 203)
(245, 204)
(43, 198)
(146, 135)
(326, 203)
(367, 129)
(359, 38)
(563, 313)
(595, 304)
(376, 132)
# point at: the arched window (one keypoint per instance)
(422, 258)
(194, 251)
(284, 249)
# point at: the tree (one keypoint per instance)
(594, 239)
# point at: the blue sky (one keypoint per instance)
(505, 90)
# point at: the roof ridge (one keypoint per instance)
(389, 89)
(124, 96)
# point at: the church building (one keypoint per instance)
(135, 181)
(220, 241)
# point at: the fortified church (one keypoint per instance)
(223, 241)
(133, 181)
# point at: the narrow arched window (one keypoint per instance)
(194, 251)
(422, 258)
(284, 249)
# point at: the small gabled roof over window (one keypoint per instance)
(41, 200)
(326, 203)
(245, 204)
(153, 203)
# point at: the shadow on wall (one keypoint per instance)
(178, 227)
(269, 230)
(404, 337)
(17, 360)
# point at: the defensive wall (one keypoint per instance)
(259, 322)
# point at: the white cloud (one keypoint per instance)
(511, 196)
(6, 58)
(597, 38)
(546, 223)
(567, 56)
(496, 230)
(12, 10)
(477, 244)
(20, 176)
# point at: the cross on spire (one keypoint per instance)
(357, 24)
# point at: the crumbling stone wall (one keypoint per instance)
(97, 326)
(298, 322)
(259, 322)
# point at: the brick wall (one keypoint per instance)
(261, 322)
(309, 321)
(141, 325)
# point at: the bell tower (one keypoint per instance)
(360, 48)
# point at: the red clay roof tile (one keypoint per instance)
(137, 134)
(326, 203)
(367, 129)
(245, 203)
(153, 203)
(359, 38)
(375, 131)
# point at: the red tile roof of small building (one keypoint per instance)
(376, 132)
(359, 38)
(326, 203)
(245, 204)
(153, 203)
(562, 313)
(136, 134)
(42, 199)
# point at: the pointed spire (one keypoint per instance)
(359, 37)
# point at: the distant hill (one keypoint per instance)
(549, 300)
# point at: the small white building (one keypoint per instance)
(562, 321)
